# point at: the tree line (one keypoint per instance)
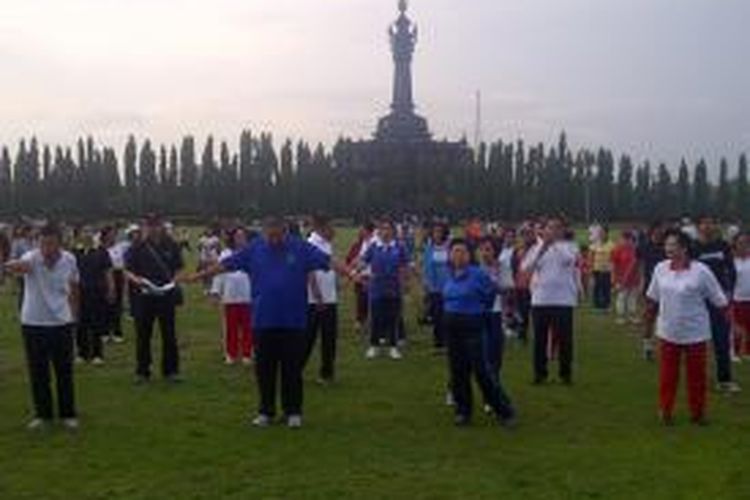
(506, 180)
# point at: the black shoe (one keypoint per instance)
(667, 420)
(174, 379)
(461, 420)
(699, 421)
(538, 380)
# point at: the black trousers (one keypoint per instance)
(280, 350)
(523, 304)
(385, 315)
(323, 320)
(436, 313)
(467, 357)
(92, 325)
(162, 310)
(602, 290)
(560, 319)
(47, 346)
(116, 308)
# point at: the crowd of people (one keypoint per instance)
(278, 286)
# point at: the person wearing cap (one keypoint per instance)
(278, 264)
(152, 265)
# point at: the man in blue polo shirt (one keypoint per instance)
(278, 265)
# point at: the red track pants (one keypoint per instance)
(741, 315)
(238, 334)
(669, 376)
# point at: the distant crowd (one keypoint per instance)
(685, 285)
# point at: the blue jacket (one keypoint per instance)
(279, 278)
(469, 292)
(435, 267)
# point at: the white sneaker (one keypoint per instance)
(228, 361)
(449, 401)
(97, 361)
(394, 353)
(729, 387)
(71, 424)
(262, 421)
(372, 352)
(117, 340)
(620, 321)
(736, 359)
(247, 361)
(294, 421)
(79, 360)
(36, 424)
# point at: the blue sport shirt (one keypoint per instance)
(470, 291)
(279, 280)
(386, 262)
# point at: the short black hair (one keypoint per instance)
(459, 242)
(51, 231)
(682, 238)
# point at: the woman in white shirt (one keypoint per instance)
(677, 296)
(233, 292)
(554, 294)
(741, 294)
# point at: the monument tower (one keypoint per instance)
(402, 124)
(397, 168)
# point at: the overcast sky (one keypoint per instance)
(657, 78)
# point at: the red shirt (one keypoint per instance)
(625, 265)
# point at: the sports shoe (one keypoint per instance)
(262, 420)
(736, 359)
(699, 421)
(294, 421)
(620, 321)
(141, 380)
(97, 361)
(372, 352)
(449, 401)
(36, 424)
(79, 360)
(71, 424)
(118, 339)
(728, 387)
(247, 361)
(487, 409)
(228, 360)
(394, 353)
(174, 379)
(507, 422)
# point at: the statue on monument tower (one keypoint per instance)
(402, 124)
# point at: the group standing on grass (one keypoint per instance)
(279, 292)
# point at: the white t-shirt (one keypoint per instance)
(742, 286)
(506, 268)
(233, 287)
(554, 275)
(46, 297)
(682, 295)
(209, 248)
(117, 254)
(326, 279)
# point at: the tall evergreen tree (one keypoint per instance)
(701, 189)
(742, 190)
(683, 190)
(723, 191)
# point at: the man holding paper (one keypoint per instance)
(152, 265)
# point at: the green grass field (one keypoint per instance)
(381, 431)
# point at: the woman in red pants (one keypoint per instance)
(677, 296)
(233, 292)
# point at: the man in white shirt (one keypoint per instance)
(554, 294)
(48, 312)
(322, 317)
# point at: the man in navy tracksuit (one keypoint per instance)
(716, 253)
(278, 265)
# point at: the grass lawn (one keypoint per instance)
(381, 432)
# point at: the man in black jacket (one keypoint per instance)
(716, 253)
(152, 265)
